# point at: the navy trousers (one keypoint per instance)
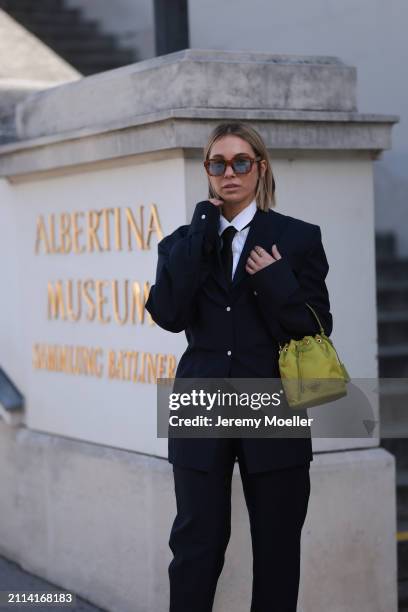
(277, 502)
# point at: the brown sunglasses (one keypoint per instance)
(239, 164)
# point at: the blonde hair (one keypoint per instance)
(265, 191)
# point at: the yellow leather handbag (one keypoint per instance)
(311, 370)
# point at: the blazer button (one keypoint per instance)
(203, 216)
(228, 308)
(228, 353)
(255, 293)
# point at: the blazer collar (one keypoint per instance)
(265, 229)
(241, 220)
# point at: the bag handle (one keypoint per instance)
(318, 320)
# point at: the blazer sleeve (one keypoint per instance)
(183, 264)
(282, 295)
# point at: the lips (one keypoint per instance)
(230, 185)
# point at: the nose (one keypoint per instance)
(229, 171)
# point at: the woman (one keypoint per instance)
(236, 280)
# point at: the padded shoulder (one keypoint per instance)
(308, 234)
(167, 242)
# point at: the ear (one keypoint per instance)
(262, 167)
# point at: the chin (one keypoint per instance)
(233, 197)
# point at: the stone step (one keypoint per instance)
(392, 327)
(87, 68)
(402, 552)
(392, 304)
(402, 565)
(402, 595)
(90, 69)
(392, 295)
(119, 57)
(393, 406)
(402, 572)
(392, 268)
(76, 39)
(104, 42)
(385, 244)
(402, 568)
(395, 429)
(399, 448)
(393, 361)
(67, 17)
(402, 502)
(9, 5)
(60, 30)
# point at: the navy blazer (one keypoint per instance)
(234, 331)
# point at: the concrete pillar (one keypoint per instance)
(96, 485)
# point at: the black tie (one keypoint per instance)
(226, 250)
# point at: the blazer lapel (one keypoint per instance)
(265, 229)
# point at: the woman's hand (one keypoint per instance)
(259, 258)
(216, 202)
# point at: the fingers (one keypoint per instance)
(253, 258)
(251, 267)
(259, 258)
(275, 252)
(252, 263)
(255, 255)
(259, 255)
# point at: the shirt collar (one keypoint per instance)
(240, 220)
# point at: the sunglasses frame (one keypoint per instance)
(229, 162)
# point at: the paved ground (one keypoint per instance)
(13, 578)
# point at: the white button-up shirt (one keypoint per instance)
(239, 222)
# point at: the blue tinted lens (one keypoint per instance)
(241, 166)
(216, 167)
